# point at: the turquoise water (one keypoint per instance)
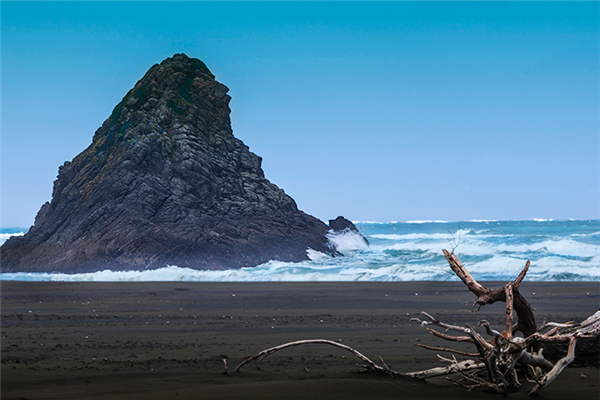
(405, 251)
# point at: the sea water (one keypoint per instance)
(407, 251)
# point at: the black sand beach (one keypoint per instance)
(146, 340)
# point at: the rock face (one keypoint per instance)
(341, 224)
(165, 182)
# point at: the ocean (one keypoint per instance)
(407, 251)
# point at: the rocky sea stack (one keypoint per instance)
(165, 182)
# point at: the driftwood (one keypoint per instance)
(371, 365)
(454, 367)
(558, 367)
(499, 360)
(510, 291)
(505, 355)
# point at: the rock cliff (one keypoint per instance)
(165, 182)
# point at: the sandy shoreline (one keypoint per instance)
(165, 340)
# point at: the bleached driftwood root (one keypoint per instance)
(454, 367)
(260, 356)
(558, 367)
(506, 355)
(371, 365)
(498, 361)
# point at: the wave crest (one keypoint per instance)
(558, 250)
(347, 240)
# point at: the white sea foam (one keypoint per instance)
(272, 271)
(405, 252)
(315, 255)
(346, 241)
(550, 268)
(479, 245)
(5, 236)
(426, 222)
(427, 236)
(565, 247)
(496, 268)
(586, 234)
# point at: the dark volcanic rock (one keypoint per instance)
(341, 225)
(165, 182)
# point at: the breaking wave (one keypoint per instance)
(347, 241)
(4, 236)
(400, 251)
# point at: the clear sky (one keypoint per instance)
(386, 111)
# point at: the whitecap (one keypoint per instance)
(405, 252)
(426, 222)
(315, 255)
(5, 236)
(426, 236)
(346, 240)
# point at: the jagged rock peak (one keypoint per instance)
(165, 182)
(171, 95)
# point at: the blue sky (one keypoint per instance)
(375, 111)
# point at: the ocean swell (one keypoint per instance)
(491, 250)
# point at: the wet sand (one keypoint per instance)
(165, 340)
